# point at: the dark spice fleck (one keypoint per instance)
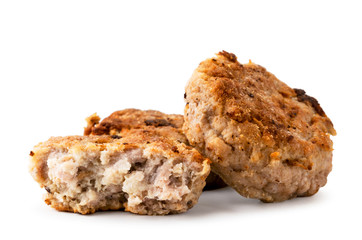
(174, 149)
(125, 143)
(293, 114)
(157, 122)
(251, 95)
(116, 137)
(185, 95)
(48, 190)
(31, 153)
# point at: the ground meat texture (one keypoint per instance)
(265, 139)
(85, 174)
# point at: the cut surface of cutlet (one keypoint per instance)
(265, 139)
(142, 173)
(166, 125)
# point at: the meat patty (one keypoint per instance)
(265, 139)
(167, 125)
(141, 172)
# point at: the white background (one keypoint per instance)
(61, 61)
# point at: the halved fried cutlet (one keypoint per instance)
(140, 172)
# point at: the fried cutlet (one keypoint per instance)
(266, 140)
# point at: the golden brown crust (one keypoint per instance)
(153, 125)
(126, 119)
(278, 110)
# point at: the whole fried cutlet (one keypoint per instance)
(167, 125)
(265, 139)
(142, 172)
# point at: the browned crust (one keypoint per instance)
(278, 115)
(131, 118)
(230, 56)
(82, 210)
(302, 97)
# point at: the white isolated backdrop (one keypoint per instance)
(61, 61)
